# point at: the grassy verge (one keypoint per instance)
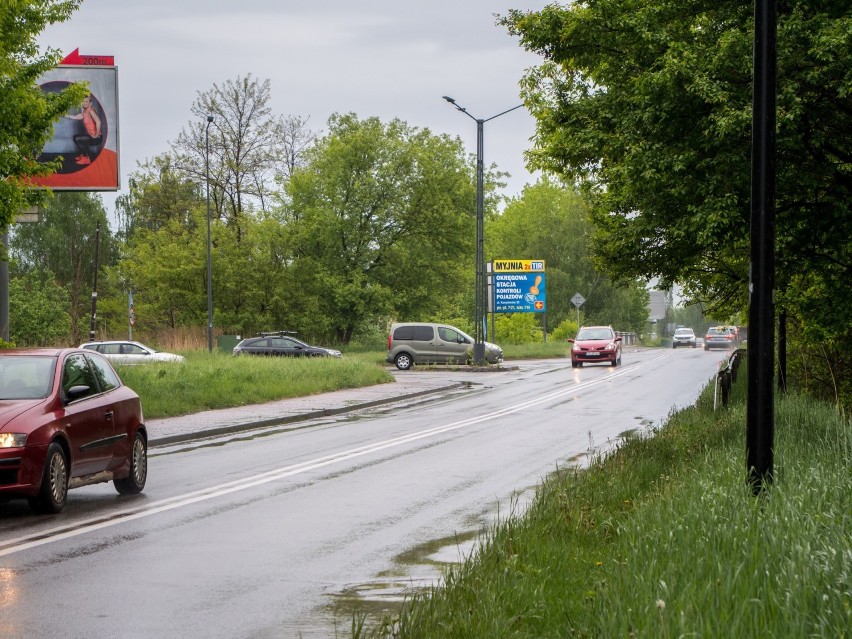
(538, 350)
(217, 380)
(662, 538)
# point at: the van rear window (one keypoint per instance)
(415, 333)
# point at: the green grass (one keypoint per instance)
(538, 350)
(207, 381)
(663, 538)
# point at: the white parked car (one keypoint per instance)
(127, 352)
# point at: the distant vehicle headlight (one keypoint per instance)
(12, 440)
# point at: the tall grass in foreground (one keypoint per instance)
(218, 380)
(663, 538)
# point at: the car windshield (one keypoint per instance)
(25, 377)
(683, 331)
(716, 331)
(594, 333)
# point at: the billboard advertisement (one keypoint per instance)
(519, 286)
(85, 139)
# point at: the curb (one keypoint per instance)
(289, 419)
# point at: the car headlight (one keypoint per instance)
(575, 348)
(12, 440)
(610, 346)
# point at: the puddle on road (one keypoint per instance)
(414, 572)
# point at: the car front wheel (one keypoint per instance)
(135, 481)
(54, 483)
(403, 361)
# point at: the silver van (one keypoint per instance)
(429, 343)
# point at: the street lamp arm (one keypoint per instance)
(460, 108)
(504, 112)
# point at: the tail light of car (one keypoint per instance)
(389, 341)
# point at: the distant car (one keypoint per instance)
(735, 331)
(128, 352)
(595, 344)
(67, 420)
(282, 346)
(684, 337)
(720, 337)
(411, 343)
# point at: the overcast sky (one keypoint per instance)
(384, 58)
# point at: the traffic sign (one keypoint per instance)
(578, 300)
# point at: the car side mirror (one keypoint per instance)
(77, 392)
(617, 339)
(569, 340)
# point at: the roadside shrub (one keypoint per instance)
(567, 328)
(518, 328)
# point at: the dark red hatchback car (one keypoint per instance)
(595, 344)
(66, 420)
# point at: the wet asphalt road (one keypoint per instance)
(281, 532)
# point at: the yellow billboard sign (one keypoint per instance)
(518, 266)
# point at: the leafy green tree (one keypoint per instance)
(254, 283)
(380, 221)
(550, 221)
(40, 311)
(157, 194)
(253, 288)
(63, 243)
(250, 147)
(649, 105)
(26, 113)
(166, 269)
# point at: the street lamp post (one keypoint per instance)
(209, 269)
(481, 284)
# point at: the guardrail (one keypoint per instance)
(726, 377)
(627, 339)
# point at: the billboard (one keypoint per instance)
(85, 139)
(519, 286)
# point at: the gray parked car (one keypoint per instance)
(432, 343)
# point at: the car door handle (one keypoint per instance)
(108, 414)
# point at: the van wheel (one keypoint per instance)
(403, 361)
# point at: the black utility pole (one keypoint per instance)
(209, 267)
(761, 317)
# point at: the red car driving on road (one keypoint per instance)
(596, 344)
(66, 420)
